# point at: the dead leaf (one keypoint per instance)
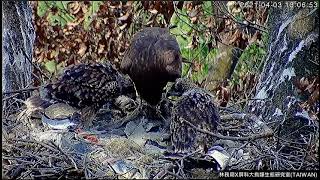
(78, 40)
(314, 97)
(97, 24)
(107, 35)
(71, 25)
(82, 49)
(54, 54)
(193, 12)
(101, 48)
(41, 57)
(153, 11)
(303, 83)
(194, 19)
(74, 7)
(123, 26)
(311, 86)
(124, 17)
(84, 9)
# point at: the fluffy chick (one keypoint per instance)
(195, 106)
(88, 87)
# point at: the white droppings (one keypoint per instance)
(262, 94)
(283, 26)
(271, 69)
(295, 52)
(287, 73)
(277, 112)
(285, 44)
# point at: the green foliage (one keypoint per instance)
(51, 66)
(204, 61)
(183, 29)
(63, 15)
(93, 9)
(43, 7)
(249, 61)
(200, 54)
(207, 8)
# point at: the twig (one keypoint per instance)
(28, 172)
(184, 60)
(160, 174)
(34, 142)
(25, 152)
(43, 175)
(230, 128)
(250, 24)
(229, 117)
(85, 166)
(6, 98)
(234, 151)
(173, 174)
(249, 138)
(69, 157)
(178, 15)
(180, 165)
(114, 171)
(21, 90)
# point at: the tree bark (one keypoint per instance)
(18, 39)
(292, 54)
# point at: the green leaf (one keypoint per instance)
(51, 66)
(182, 41)
(52, 19)
(182, 20)
(174, 20)
(205, 69)
(62, 21)
(186, 53)
(185, 68)
(207, 8)
(211, 55)
(67, 17)
(204, 51)
(86, 22)
(60, 5)
(65, 4)
(42, 8)
(94, 7)
(56, 20)
(175, 31)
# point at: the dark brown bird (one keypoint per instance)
(88, 87)
(152, 60)
(195, 106)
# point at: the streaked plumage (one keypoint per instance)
(88, 87)
(197, 107)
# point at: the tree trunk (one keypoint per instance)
(292, 54)
(17, 38)
(293, 41)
